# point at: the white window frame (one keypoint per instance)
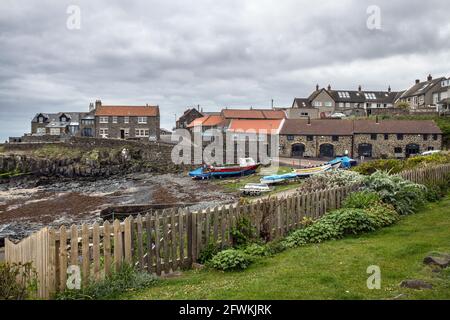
(55, 131)
(126, 119)
(142, 120)
(328, 104)
(115, 119)
(141, 133)
(104, 120)
(41, 131)
(103, 133)
(317, 103)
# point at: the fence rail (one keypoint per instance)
(164, 241)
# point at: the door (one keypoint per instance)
(326, 150)
(122, 134)
(298, 149)
(412, 149)
(365, 149)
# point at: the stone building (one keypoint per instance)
(58, 124)
(127, 122)
(188, 116)
(327, 138)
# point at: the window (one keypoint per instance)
(290, 138)
(309, 138)
(142, 120)
(40, 130)
(41, 120)
(55, 131)
(126, 120)
(335, 138)
(425, 137)
(373, 136)
(317, 104)
(386, 136)
(435, 136)
(343, 95)
(104, 120)
(341, 104)
(398, 150)
(370, 96)
(328, 104)
(399, 136)
(430, 148)
(114, 120)
(141, 133)
(103, 132)
(88, 122)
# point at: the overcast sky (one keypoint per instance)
(213, 53)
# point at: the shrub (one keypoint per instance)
(231, 259)
(274, 247)
(126, 279)
(208, 253)
(318, 232)
(330, 179)
(437, 191)
(405, 196)
(256, 250)
(17, 281)
(391, 165)
(243, 233)
(362, 200)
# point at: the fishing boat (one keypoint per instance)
(245, 167)
(278, 178)
(255, 189)
(306, 172)
(346, 162)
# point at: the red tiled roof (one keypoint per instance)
(207, 121)
(239, 125)
(253, 114)
(137, 111)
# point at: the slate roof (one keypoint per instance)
(302, 102)
(349, 127)
(421, 87)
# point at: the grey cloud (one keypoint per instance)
(233, 53)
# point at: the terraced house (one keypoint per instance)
(358, 138)
(127, 122)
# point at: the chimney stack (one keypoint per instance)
(359, 88)
(198, 107)
(98, 103)
(329, 87)
(389, 88)
(91, 107)
(429, 77)
(417, 81)
(317, 87)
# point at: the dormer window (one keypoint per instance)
(41, 119)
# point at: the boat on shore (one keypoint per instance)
(245, 167)
(255, 189)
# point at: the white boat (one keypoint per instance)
(306, 172)
(255, 189)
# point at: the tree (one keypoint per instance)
(403, 105)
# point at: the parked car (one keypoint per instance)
(338, 115)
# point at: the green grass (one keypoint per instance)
(2, 149)
(331, 270)
(234, 184)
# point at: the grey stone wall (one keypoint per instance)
(114, 129)
(312, 148)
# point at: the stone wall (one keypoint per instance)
(312, 148)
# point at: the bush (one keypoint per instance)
(382, 215)
(256, 250)
(405, 196)
(126, 279)
(208, 253)
(243, 233)
(274, 247)
(230, 259)
(330, 179)
(362, 200)
(391, 165)
(437, 191)
(17, 281)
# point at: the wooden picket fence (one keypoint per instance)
(164, 241)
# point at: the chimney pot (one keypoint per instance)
(389, 89)
(417, 81)
(430, 77)
(98, 103)
(317, 87)
(359, 88)
(329, 87)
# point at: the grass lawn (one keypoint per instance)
(331, 270)
(234, 184)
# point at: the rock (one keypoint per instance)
(198, 266)
(440, 260)
(415, 284)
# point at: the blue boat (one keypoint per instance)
(276, 178)
(346, 162)
(246, 166)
